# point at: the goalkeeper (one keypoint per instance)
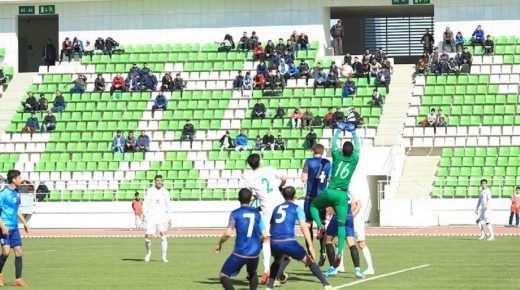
(344, 163)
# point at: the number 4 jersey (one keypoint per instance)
(264, 183)
(248, 225)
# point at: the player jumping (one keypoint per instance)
(264, 184)
(343, 165)
(156, 215)
(316, 172)
(283, 242)
(250, 230)
(483, 211)
(10, 213)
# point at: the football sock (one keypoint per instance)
(322, 245)
(148, 244)
(272, 274)
(317, 272)
(368, 257)
(226, 283)
(266, 254)
(283, 264)
(253, 281)
(491, 231)
(341, 237)
(355, 256)
(18, 267)
(164, 245)
(331, 253)
(2, 261)
(481, 228)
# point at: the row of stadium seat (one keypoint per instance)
(511, 99)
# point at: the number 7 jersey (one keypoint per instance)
(264, 183)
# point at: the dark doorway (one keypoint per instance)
(33, 32)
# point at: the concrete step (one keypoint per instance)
(418, 176)
(12, 97)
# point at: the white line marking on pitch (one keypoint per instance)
(381, 276)
(77, 248)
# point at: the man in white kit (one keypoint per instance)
(483, 210)
(156, 211)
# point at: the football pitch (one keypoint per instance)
(117, 263)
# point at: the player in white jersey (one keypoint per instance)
(483, 210)
(264, 183)
(156, 211)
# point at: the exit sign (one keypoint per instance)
(25, 10)
(400, 2)
(421, 1)
(47, 9)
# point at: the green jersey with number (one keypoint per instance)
(342, 166)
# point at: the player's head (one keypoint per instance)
(244, 196)
(518, 189)
(318, 149)
(348, 149)
(483, 183)
(254, 161)
(289, 193)
(136, 194)
(158, 181)
(14, 177)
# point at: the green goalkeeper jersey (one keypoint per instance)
(342, 166)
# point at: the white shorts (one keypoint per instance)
(1, 88)
(359, 228)
(266, 214)
(154, 226)
(138, 221)
(484, 216)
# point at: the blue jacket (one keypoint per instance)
(293, 70)
(275, 59)
(349, 88)
(80, 43)
(144, 71)
(59, 101)
(288, 58)
(146, 143)
(320, 76)
(32, 122)
(123, 140)
(135, 71)
(164, 100)
(479, 34)
(261, 69)
(459, 39)
(148, 81)
(283, 69)
(241, 140)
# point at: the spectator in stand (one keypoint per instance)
(253, 40)
(377, 98)
(79, 84)
(49, 122)
(515, 208)
(320, 79)
(160, 103)
(422, 64)
(144, 71)
(443, 60)
(441, 119)
(77, 47)
(329, 118)
(296, 118)
(349, 88)
(131, 83)
(283, 67)
(31, 125)
(59, 103)
(303, 42)
(279, 143)
(280, 113)
(336, 31)
(447, 39)
(248, 83)
(357, 68)
(167, 83)
(258, 52)
(430, 120)
(261, 68)
(459, 41)
(279, 81)
(259, 145)
(130, 142)
(259, 81)
(268, 140)
(134, 70)
(43, 103)
(311, 139)
(292, 73)
(243, 43)
(142, 143)
(275, 61)
(332, 80)
(148, 82)
(347, 59)
(269, 81)
(291, 49)
(338, 117)
(435, 61)
(88, 49)
(308, 117)
(99, 84)
(304, 71)
(238, 83)
(118, 84)
(294, 36)
(467, 59)
(458, 58)
(226, 142)
(366, 69)
(118, 144)
(31, 104)
(280, 47)
(383, 78)
(489, 46)
(287, 57)
(3, 80)
(427, 42)
(477, 37)
(179, 83)
(188, 132)
(49, 54)
(269, 49)
(375, 67)
(387, 65)
(452, 67)
(241, 141)
(380, 56)
(66, 49)
(259, 110)
(334, 69)
(226, 45)
(367, 55)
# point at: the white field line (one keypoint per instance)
(380, 276)
(76, 248)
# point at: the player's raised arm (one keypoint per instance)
(357, 146)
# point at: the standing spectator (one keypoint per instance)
(304, 71)
(338, 117)
(259, 110)
(427, 42)
(137, 207)
(188, 132)
(43, 103)
(118, 144)
(349, 88)
(49, 54)
(259, 81)
(296, 118)
(303, 42)
(142, 143)
(59, 103)
(435, 61)
(320, 79)
(241, 141)
(77, 47)
(144, 71)
(131, 83)
(238, 82)
(66, 48)
(441, 119)
(167, 83)
(88, 49)
(280, 113)
(308, 117)
(258, 52)
(99, 84)
(515, 208)
(259, 145)
(447, 39)
(243, 43)
(31, 104)
(477, 37)
(148, 82)
(79, 84)
(347, 59)
(459, 41)
(269, 49)
(130, 142)
(279, 81)
(226, 142)
(311, 139)
(253, 40)
(118, 84)
(489, 46)
(329, 118)
(134, 70)
(377, 98)
(225, 45)
(380, 56)
(160, 103)
(467, 60)
(268, 140)
(279, 143)
(431, 119)
(31, 125)
(261, 68)
(383, 78)
(49, 122)
(336, 31)
(179, 83)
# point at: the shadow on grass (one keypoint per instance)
(133, 260)
(216, 281)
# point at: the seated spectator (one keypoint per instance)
(303, 42)
(179, 83)
(329, 118)
(99, 46)
(347, 59)
(258, 52)
(268, 140)
(287, 57)
(3, 80)
(118, 84)
(241, 141)
(142, 143)
(49, 122)
(259, 144)
(383, 78)
(280, 113)
(261, 68)
(99, 84)
(477, 37)
(77, 47)
(259, 81)
(43, 103)
(269, 49)
(334, 69)
(320, 79)
(279, 143)
(66, 49)
(31, 104)
(452, 67)
(167, 83)
(88, 49)
(354, 117)
(118, 144)
(283, 67)
(467, 60)
(366, 70)
(422, 65)
(338, 117)
(279, 81)
(375, 67)
(296, 118)
(248, 82)
(275, 60)
(304, 71)
(226, 45)
(308, 117)
(134, 70)
(292, 72)
(31, 125)
(188, 132)
(459, 41)
(489, 46)
(311, 139)
(226, 142)
(160, 103)
(59, 103)
(243, 43)
(358, 69)
(441, 119)
(430, 120)
(130, 142)
(349, 88)
(367, 56)
(332, 80)
(253, 40)
(79, 84)
(42, 192)
(259, 110)
(280, 47)
(269, 81)
(387, 65)
(447, 39)
(291, 49)
(144, 71)
(458, 58)
(377, 98)
(443, 61)
(131, 83)
(148, 82)
(238, 82)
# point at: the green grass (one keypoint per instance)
(116, 263)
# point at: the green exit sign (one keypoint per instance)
(421, 1)
(400, 2)
(25, 10)
(47, 9)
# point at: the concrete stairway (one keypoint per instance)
(396, 106)
(418, 177)
(12, 97)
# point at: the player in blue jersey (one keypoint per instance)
(250, 231)
(316, 173)
(283, 239)
(10, 213)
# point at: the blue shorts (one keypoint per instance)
(290, 248)
(307, 210)
(234, 264)
(332, 229)
(12, 240)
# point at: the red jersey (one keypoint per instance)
(118, 82)
(137, 206)
(515, 202)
